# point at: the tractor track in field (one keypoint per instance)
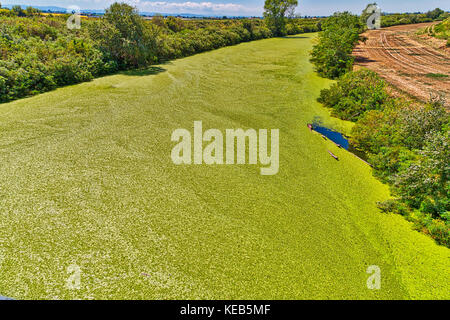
(409, 66)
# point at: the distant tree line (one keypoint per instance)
(389, 20)
(39, 53)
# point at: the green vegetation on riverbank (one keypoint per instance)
(408, 145)
(406, 142)
(38, 53)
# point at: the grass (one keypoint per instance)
(436, 75)
(442, 30)
(86, 178)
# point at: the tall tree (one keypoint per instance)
(332, 55)
(123, 34)
(434, 14)
(275, 12)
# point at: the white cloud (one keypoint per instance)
(191, 7)
(171, 6)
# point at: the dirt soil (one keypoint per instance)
(410, 63)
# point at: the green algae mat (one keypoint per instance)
(92, 206)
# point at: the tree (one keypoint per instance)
(418, 122)
(332, 56)
(30, 11)
(275, 12)
(174, 24)
(18, 11)
(123, 35)
(425, 184)
(435, 13)
(158, 20)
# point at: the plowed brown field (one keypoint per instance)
(411, 66)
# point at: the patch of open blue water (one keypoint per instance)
(334, 136)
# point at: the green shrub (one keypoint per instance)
(438, 229)
(354, 94)
(392, 206)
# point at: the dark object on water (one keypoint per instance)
(337, 137)
(333, 155)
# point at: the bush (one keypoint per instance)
(438, 229)
(442, 31)
(174, 24)
(425, 184)
(392, 206)
(354, 94)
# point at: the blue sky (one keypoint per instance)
(245, 7)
